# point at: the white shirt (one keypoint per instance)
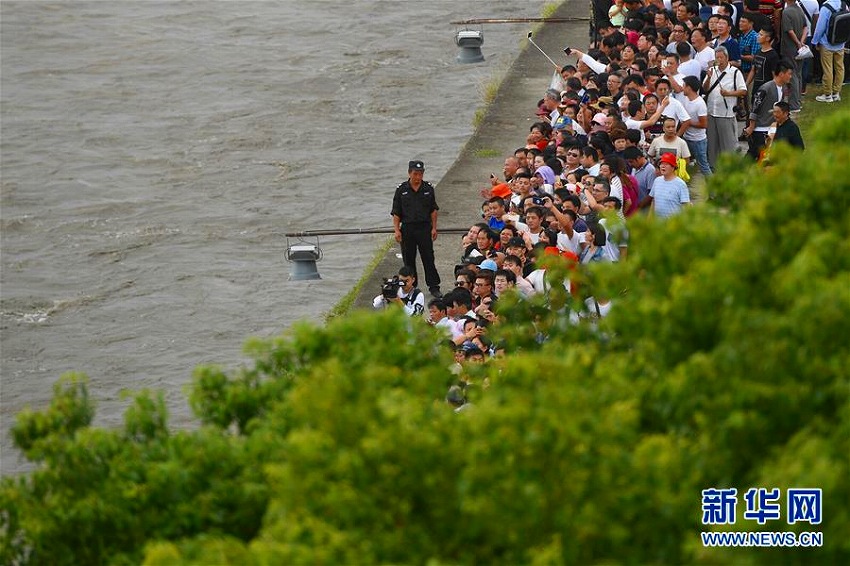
(447, 324)
(456, 328)
(812, 8)
(570, 244)
(525, 288)
(690, 68)
(520, 226)
(411, 308)
(557, 82)
(659, 145)
(617, 191)
(680, 79)
(723, 106)
(671, 48)
(704, 57)
(594, 65)
(695, 108)
(676, 111)
(632, 124)
(537, 280)
(615, 239)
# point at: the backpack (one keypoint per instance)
(838, 29)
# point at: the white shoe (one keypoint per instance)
(825, 98)
(836, 97)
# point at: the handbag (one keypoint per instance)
(804, 53)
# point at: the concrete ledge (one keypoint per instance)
(504, 128)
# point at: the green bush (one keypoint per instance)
(723, 364)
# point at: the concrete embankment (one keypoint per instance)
(504, 128)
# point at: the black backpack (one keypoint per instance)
(838, 29)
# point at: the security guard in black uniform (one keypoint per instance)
(415, 220)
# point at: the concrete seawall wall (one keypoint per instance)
(504, 128)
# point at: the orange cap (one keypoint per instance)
(502, 190)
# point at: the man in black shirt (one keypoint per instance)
(415, 221)
(786, 129)
(764, 61)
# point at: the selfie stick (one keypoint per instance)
(543, 52)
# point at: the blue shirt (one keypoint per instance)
(749, 44)
(645, 177)
(669, 196)
(495, 224)
(731, 46)
(819, 37)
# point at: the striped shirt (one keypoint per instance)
(669, 196)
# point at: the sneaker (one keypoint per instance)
(836, 97)
(825, 98)
(435, 292)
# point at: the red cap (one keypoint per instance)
(501, 190)
(669, 159)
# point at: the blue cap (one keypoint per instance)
(562, 122)
(488, 264)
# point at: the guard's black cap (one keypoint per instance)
(415, 165)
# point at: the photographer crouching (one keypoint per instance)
(401, 290)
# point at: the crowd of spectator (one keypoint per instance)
(664, 89)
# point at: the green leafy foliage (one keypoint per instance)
(723, 364)
(101, 494)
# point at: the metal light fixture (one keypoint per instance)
(303, 257)
(470, 41)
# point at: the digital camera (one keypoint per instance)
(390, 287)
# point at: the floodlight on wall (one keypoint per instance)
(470, 41)
(303, 256)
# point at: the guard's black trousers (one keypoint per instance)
(418, 235)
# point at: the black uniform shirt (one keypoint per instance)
(414, 206)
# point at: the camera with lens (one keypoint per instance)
(390, 287)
